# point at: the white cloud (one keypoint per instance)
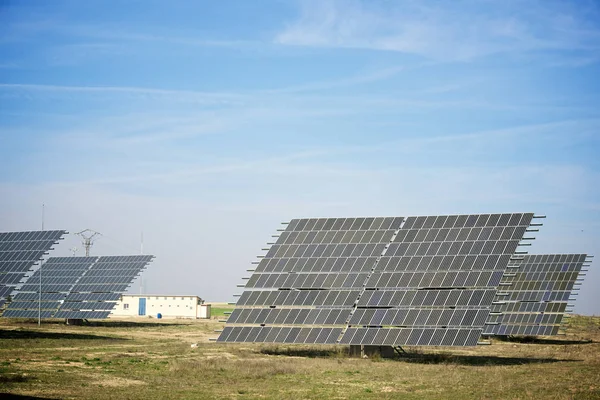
(444, 31)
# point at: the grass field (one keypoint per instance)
(132, 359)
(218, 310)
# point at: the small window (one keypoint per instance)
(174, 298)
(165, 298)
(157, 298)
(125, 306)
(183, 298)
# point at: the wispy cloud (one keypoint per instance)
(187, 173)
(177, 95)
(363, 77)
(121, 35)
(341, 161)
(444, 31)
(369, 77)
(311, 98)
(113, 32)
(80, 53)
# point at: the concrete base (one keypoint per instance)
(372, 351)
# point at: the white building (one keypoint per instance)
(138, 305)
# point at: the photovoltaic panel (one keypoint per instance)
(312, 276)
(411, 336)
(421, 281)
(94, 295)
(82, 314)
(26, 314)
(258, 334)
(58, 275)
(535, 294)
(35, 296)
(19, 251)
(440, 272)
(77, 287)
(111, 297)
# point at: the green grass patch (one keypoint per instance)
(219, 312)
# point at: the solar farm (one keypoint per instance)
(435, 306)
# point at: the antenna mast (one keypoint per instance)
(142, 252)
(87, 239)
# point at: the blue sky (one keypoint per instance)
(205, 124)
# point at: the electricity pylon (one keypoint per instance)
(87, 240)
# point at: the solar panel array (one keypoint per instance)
(58, 275)
(378, 281)
(313, 277)
(77, 287)
(536, 295)
(19, 251)
(95, 294)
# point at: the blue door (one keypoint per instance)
(142, 308)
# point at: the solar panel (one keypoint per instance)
(82, 314)
(35, 296)
(19, 251)
(93, 297)
(58, 275)
(312, 275)
(77, 287)
(440, 272)
(27, 314)
(535, 295)
(425, 280)
(95, 294)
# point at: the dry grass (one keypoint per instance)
(154, 360)
(240, 368)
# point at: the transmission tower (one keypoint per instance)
(87, 239)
